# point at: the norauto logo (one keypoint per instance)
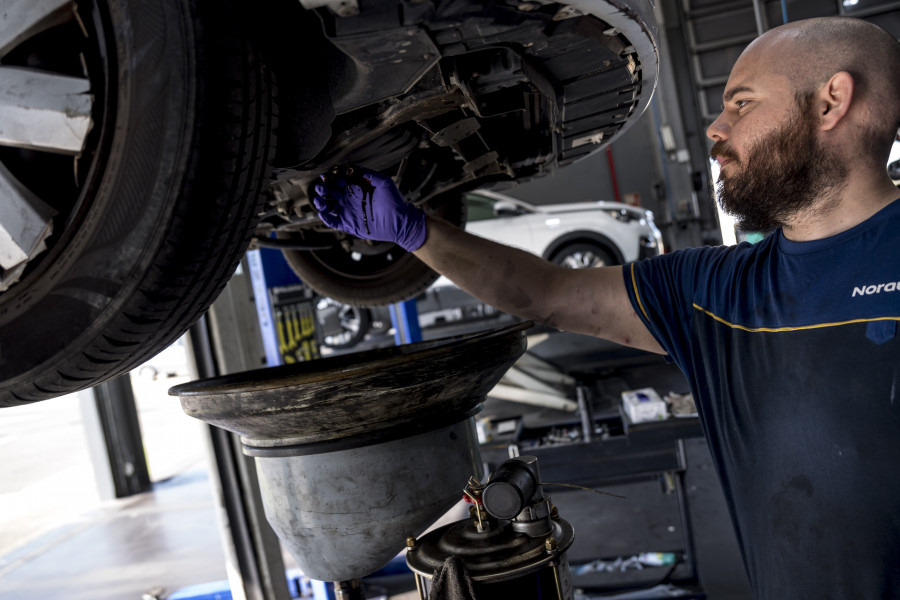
(868, 290)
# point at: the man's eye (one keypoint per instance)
(741, 103)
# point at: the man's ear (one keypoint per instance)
(833, 100)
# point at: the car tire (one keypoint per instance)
(173, 175)
(583, 255)
(369, 274)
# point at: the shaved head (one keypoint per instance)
(810, 113)
(810, 52)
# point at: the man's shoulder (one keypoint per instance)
(716, 257)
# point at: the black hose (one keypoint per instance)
(289, 244)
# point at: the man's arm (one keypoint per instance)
(589, 301)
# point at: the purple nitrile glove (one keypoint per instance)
(368, 205)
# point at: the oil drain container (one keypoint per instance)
(356, 452)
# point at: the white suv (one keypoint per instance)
(577, 235)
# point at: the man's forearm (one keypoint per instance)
(588, 301)
(509, 279)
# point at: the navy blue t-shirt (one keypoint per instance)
(793, 356)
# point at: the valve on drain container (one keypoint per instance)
(512, 546)
(515, 485)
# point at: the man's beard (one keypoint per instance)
(781, 176)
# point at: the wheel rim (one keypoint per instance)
(582, 259)
(350, 321)
(53, 64)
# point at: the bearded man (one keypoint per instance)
(790, 345)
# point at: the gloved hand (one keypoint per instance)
(368, 205)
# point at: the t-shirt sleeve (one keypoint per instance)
(662, 290)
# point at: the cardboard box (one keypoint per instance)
(643, 405)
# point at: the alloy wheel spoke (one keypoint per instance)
(44, 111)
(25, 18)
(25, 223)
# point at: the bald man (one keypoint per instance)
(790, 345)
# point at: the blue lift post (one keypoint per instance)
(405, 319)
(285, 309)
(268, 269)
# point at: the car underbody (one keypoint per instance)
(446, 97)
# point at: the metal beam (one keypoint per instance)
(516, 394)
(117, 413)
(759, 14)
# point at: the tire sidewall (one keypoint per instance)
(110, 239)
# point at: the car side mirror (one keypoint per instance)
(507, 209)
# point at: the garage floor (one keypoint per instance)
(164, 540)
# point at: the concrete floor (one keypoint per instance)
(156, 542)
(59, 541)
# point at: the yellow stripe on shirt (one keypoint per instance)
(637, 296)
(780, 329)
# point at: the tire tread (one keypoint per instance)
(208, 230)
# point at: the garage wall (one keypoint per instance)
(716, 32)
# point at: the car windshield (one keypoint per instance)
(479, 208)
(483, 208)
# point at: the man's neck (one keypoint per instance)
(853, 203)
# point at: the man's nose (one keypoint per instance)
(719, 129)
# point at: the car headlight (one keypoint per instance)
(625, 215)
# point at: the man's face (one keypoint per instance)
(773, 166)
(780, 175)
